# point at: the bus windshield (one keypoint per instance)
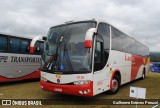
(65, 51)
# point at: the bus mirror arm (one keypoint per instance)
(88, 37)
(34, 40)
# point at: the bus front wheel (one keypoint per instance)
(115, 85)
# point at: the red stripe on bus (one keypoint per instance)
(136, 64)
(35, 74)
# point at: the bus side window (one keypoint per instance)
(39, 47)
(24, 46)
(98, 56)
(36, 48)
(15, 45)
(104, 32)
(3, 44)
(117, 43)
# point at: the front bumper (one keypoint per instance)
(78, 90)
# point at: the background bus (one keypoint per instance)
(155, 66)
(16, 62)
(86, 58)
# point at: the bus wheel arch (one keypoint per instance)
(115, 82)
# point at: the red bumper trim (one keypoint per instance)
(68, 89)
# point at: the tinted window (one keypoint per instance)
(142, 52)
(146, 51)
(103, 30)
(141, 49)
(24, 46)
(39, 47)
(98, 65)
(129, 44)
(124, 39)
(133, 46)
(98, 52)
(117, 40)
(138, 48)
(104, 33)
(3, 43)
(14, 45)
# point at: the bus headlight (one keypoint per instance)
(43, 79)
(82, 82)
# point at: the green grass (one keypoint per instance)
(32, 90)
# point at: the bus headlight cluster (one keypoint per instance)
(84, 91)
(43, 79)
(82, 82)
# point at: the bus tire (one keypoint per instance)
(115, 85)
(152, 69)
(143, 75)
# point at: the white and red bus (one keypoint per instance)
(16, 62)
(86, 58)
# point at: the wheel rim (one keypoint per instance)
(114, 85)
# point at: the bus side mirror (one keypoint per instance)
(44, 38)
(34, 40)
(88, 37)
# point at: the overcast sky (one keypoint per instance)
(138, 18)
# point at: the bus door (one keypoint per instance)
(99, 75)
(98, 62)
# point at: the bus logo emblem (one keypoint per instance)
(58, 80)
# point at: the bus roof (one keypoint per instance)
(98, 21)
(13, 35)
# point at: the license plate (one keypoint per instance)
(58, 89)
